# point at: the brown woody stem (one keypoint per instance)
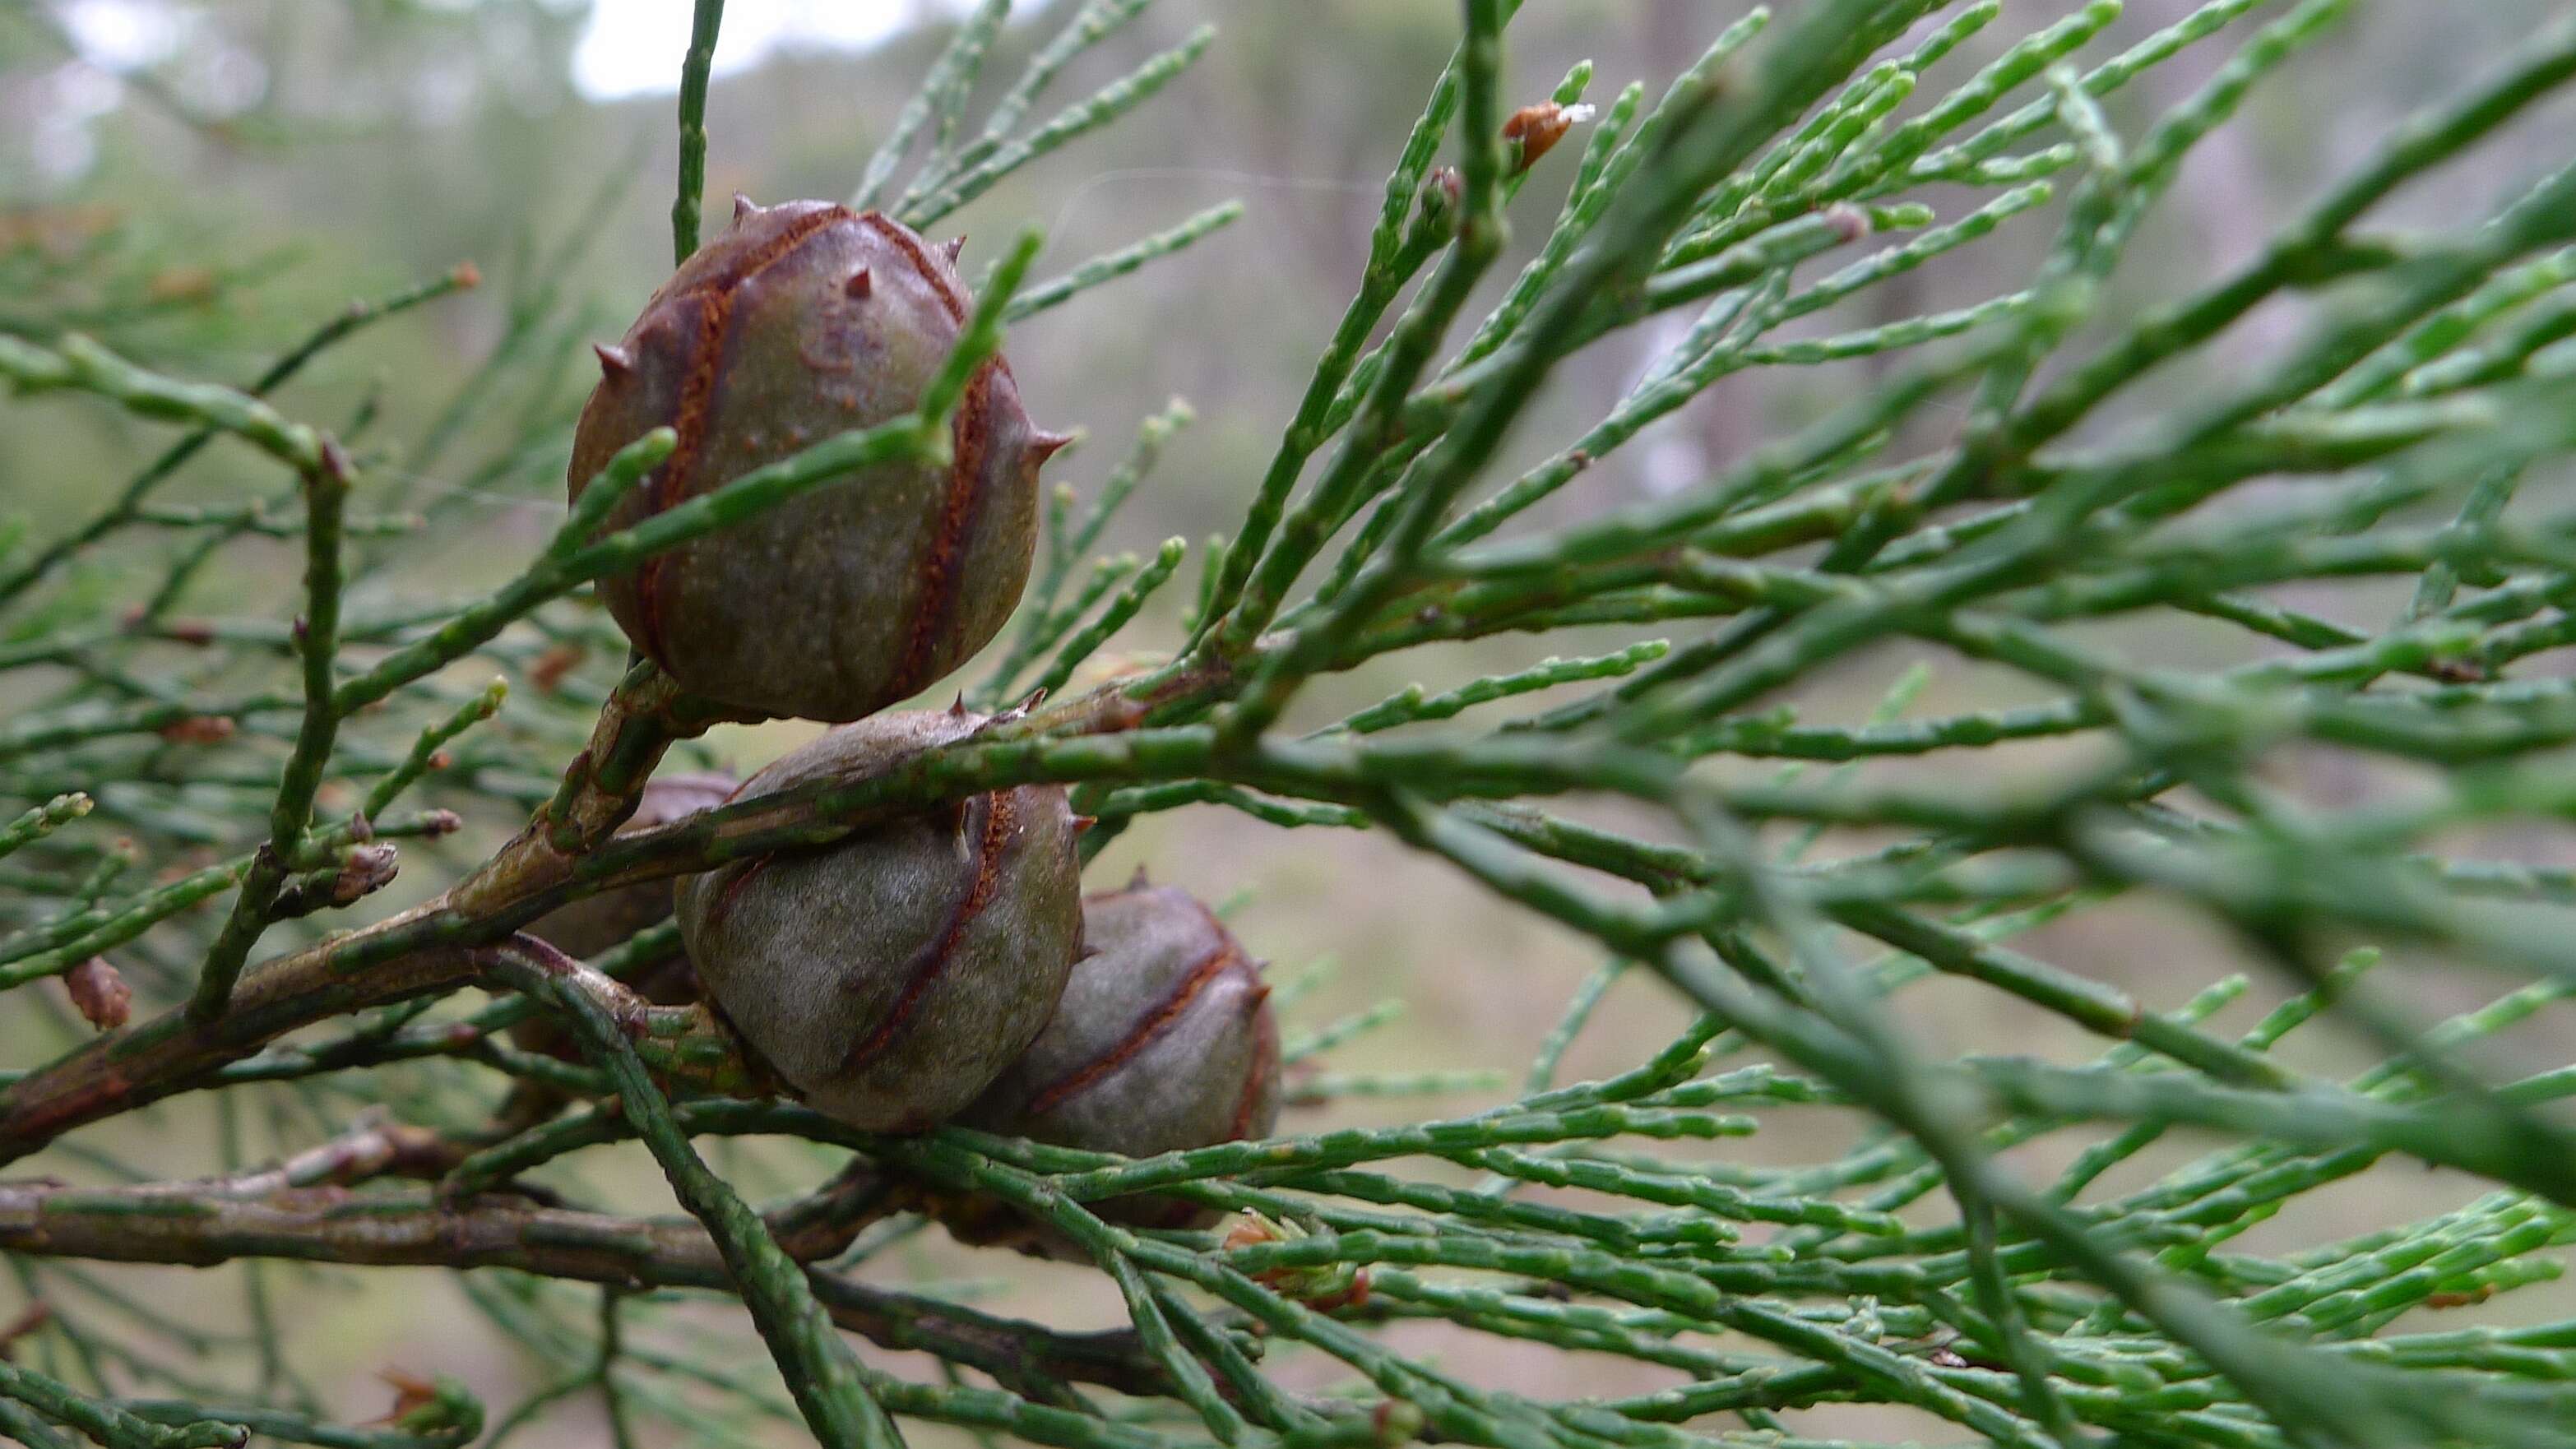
(305, 1209)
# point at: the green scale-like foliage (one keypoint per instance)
(2032, 482)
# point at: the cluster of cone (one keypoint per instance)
(934, 967)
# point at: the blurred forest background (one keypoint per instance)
(246, 167)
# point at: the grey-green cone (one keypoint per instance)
(890, 976)
(797, 323)
(1164, 1041)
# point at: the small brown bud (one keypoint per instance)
(412, 1393)
(1322, 1287)
(198, 729)
(1442, 190)
(1537, 129)
(546, 672)
(1249, 1231)
(1355, 1296)
(440, 822)
(364, 870)
(99, 993)
(34, 1316)
(466, 276)
(182, 284)
(1395, 1421)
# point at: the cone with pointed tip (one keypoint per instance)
(891, 975)
(1164, 1041)
(800, 322)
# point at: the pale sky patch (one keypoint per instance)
(633, 47)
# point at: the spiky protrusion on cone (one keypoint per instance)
(797, 323)
(1043, 446)
(891, 976)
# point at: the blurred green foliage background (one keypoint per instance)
(245, 167)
